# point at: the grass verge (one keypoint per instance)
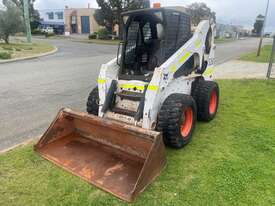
(19, 50)
(230, 161)
(263, 58)
(223, 40)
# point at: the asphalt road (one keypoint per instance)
(32, 92)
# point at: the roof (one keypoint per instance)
(149, 10)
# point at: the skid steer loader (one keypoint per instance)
(149, 96)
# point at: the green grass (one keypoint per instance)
(18, 50)
(223, 40)
(263, 58)
(230, 161)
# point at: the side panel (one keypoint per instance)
(108, 72)
(208, 74)
(163, 83)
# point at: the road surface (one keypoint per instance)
(33, 91)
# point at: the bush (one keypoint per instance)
(93, 36)
(103, 34)
(5, 55)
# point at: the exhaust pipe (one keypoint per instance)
(118, 158)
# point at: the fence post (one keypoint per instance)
(271, 59)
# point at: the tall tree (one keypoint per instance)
(200, 11)
(34, 14)
(11, 21)
(110, 11)
(258, 25)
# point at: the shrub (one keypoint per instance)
(103, 34)
(5, 55)
(93, 35)
(10, 22)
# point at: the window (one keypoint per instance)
(50, 15)
(59, 15)
(73, 19)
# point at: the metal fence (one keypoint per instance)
(272, 56)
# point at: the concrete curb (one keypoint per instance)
(30, 57)
(20, 144)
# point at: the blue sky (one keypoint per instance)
(239, 12)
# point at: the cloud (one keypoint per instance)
(59, 4)
(239, 12)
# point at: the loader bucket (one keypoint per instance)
(118, 158)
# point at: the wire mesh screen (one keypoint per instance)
(131, 46)
(178, 32)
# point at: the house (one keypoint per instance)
(52, 18)
(80, 21)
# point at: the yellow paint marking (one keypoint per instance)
(131, 86)
(209, 71)
(184, 57)
(172, 68)
(153, 88)
(101, 81)
(197, 43)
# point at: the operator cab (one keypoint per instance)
(148, 40)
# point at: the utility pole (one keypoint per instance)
(271, 60)
(27, 20)
(263, 29)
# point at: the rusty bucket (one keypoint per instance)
(118, 158)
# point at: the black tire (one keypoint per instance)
(203, 93)
(172, 118)
(93, 101)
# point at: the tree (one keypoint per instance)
(10, 21)
(258, 25)
(110, 11)
(200, 11)
(34, 14)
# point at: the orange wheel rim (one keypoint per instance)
(187, 123)
(213, 102)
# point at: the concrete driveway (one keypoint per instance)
(33, 91)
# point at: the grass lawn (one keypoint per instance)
(18, 50)
(231, 161)
(223, 40)
(263, 58)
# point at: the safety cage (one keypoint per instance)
(149, 40)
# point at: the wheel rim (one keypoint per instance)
(213, 102)
(187, 124)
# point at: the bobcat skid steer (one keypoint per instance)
(149, 96)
